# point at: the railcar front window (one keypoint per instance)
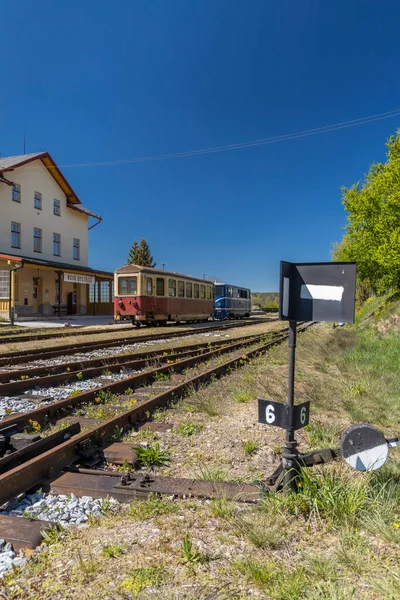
(127, 286)
(181, 289)
(219, 290)
(160, 286)
(172, 288)
(149, 286)
(208, 293)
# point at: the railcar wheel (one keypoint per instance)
(137, 324)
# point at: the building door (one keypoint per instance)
(37, 294)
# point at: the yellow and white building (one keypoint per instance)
(44, 243)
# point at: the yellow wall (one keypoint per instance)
(34, 177)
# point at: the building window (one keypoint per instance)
(15, 235)
(37, 200)
(196, 290)
(57, 208)
(5, 284)
(16, 193)
(172, 288)
(189, 292)
(104, 291)
(203, 292)
(37, 240)
(92, 292)
(56, 244)
(181, 289)
(77, 249)
(160, 286)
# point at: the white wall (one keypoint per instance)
(34, 177)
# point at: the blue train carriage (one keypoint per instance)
(231, 301)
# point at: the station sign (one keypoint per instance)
(317, 292)
(283, 415)
(74, 278)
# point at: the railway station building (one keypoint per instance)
(44, 244)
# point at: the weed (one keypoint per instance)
(243, 396)
(141, 510)
(106, 397)
(114, 549)
(106, 373)
(126, 467)
(141, 578)
(79, 376)
(117, 434)
(33, 427)
(87, 566)
(152, 456)
(128, 391)
(52, 535)
(223, 508)
(208, 474)
(105, 505)
(192, 554)
(160, 377)
(187, 429)
(328, 494)
(322, 435)
(250, 446)
(74, 393)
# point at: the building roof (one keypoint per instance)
(150, 270)
(9, 163)
(28, 260)
(85, 211)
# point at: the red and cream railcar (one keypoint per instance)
(148, 296)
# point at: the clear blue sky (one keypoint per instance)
(101, 81)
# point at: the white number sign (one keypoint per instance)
(270, 413)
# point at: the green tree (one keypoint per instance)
(133, 254)
(145, 255)
(373, 231)
(139, 254)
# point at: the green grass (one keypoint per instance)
(141, 578)
(114, 549)
(154, 506)
(152, 456)
(250, 446)
(188, 428)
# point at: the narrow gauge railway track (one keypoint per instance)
(54, 411)
(37, 467)
(20, 380)
(25, 356)
(25, 336)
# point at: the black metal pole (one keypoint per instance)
(94, 296)
(289, 452)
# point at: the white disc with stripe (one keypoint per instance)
(364, 448)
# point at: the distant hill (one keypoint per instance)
(262, 298)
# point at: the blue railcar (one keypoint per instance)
(231, 301)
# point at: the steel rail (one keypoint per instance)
(10, 358)
(13, 382)
(56, 410)
(14, 374)
(48, 465)
(26, 336)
